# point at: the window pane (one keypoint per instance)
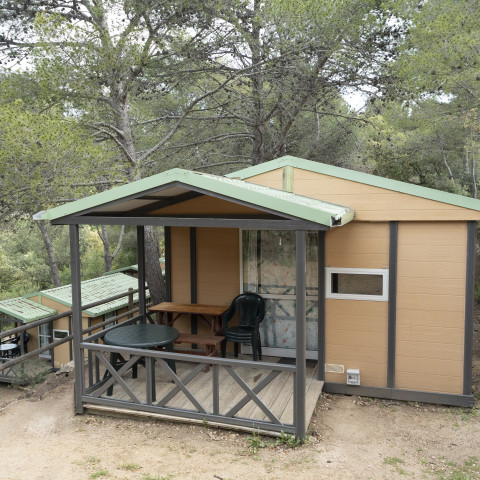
(269, 262)
(357, 284)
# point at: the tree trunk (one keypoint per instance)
(107, 256)
(52, 261)
(153, 269)
(258, 129)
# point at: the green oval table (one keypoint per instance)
(141, 335)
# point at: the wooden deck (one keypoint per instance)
(277, 396)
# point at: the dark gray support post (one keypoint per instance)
(90, 358)
(168, 263)
(141, 271)
(216, 389)
(193, 278)
(52, 350)
(469, 305)
(392, 304)
(77, 319)
(321, 306)
(301, 338)
(70, 347)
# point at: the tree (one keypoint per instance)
(299, 58)
(437, 72)
(40, 154)
(97, 55)
(422, 145)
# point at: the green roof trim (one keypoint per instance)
(133, 268)
(26, 310)
(95, 290)
(287, 203)
(359, 177)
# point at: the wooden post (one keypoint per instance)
(77, 319)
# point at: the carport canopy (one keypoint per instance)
(180, 197)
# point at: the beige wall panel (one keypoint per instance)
(429, 365)
(431, 303)
(430, 382)
(366, 354)
(218, 265)
(356, 337)
(55, 305)
(206, 205)
(430, 306)
(436, 350)
(430, 335)
(358, 245)
(441, 319)
(432, 253)
(429, 270)
(360, 260)
(273, 179)
(371, 374)
(180, 248)
(374, 203)
(441, 286)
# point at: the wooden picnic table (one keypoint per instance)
(211, 314)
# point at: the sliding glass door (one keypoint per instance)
(269, 269)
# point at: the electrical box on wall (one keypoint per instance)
(353, 376)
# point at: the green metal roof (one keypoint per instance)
(282, 202)
(25, 310)
(132, 268)
(95, 290)
(359, 177)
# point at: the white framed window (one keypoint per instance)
(108, 315)
(357, 284)
(44, 338)
(60, 334)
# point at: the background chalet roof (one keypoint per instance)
(25, 310)
(95, 290)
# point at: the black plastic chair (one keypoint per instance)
(251, 311)
(16, 352)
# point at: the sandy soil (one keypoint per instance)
(351, 438)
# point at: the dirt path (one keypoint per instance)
(351, 438)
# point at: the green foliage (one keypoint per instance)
(41, 156)
(288, 440)
(100, 473)
(469, 470)
(422, 144)
(256, 442)
(23, 261)
(131, 467)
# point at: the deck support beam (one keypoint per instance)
(301, 337)
(77, 318)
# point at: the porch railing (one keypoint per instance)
(9, 374)
(210, 406)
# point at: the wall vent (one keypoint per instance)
(334, 368)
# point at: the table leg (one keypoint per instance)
(150, 374)
(113, 362)
(171, 363)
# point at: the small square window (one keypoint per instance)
(60, 334)
(357, 284)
